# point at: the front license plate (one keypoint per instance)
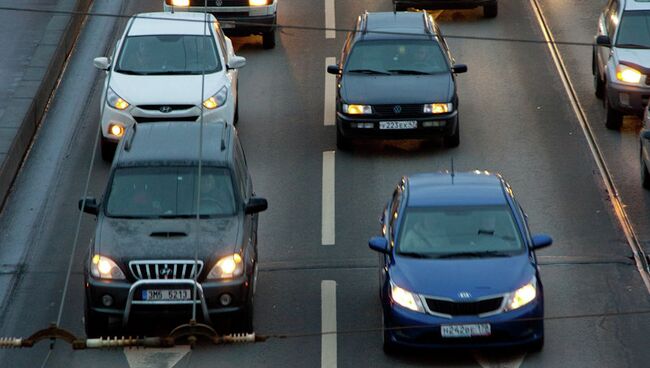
(166, 294)
(482, 329)
(398, 124)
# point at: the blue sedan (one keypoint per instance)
(458, 265)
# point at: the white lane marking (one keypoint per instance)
(328, 324)
(330, 19)
(502, 362)
(328, 233)
(155, 358)
(329, 113)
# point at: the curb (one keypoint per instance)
(29, 103)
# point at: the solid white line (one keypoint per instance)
(328, 324)
(619, 209)
(330, 19)
(329, 113)
(328, 234)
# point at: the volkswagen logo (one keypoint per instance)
(165, 272)
(218, 2)
(397, 109)
(464, 295)
(165, 109)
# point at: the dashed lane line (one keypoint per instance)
(328, 324)
(329, 111)
(328, 231)
(330, 19)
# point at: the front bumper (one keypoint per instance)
(445, 125)
(418, 330)
(239, 20)
(626, 98)
(444, 4)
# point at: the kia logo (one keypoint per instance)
(165, 272)
(464, 295)
(397, 109)
(165, 109)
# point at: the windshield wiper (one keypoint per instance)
(485, 254)
(368, 71)
(130, 72)
(632, 46)
(408, 72)
(413, 255)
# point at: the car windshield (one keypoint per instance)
(397, 57)
(459, 232)
(169, 192)
(634, 31)
(168, 55)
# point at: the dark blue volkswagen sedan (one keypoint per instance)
(458, 266)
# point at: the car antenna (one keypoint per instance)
(452, 171)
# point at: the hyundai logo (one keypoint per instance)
(165, 109)
(464, 295)
(165, 272)
(397, 109)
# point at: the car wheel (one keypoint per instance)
(599, 84)
(491, 10)
(96, 325)
(236, 118)
(645, 175)
(537, 345)
(453, 140)
(342, 143)
(268, 40)
(108, 149)
(389, 347)
(614, 118)
(244, 323)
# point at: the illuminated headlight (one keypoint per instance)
(217, 100)
(116, 101)
(116, 130)
(438, 108)
(357, 109)
(227, 267)
(258, 2)
(522, 296)
(405, 298)
(105, 268)
(628, 75)
(179, 2)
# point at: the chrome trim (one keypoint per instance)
(449, 316)
(135, 268)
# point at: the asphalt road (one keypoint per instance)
(515, 118)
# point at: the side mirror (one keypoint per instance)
(102, 63)
(603, 40)
(89, 205)
(333, 69)
(236, 62)
(541, 241)
(379, 244)
(459, 68)
(645, 134)
(256, 205)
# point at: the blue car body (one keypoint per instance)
(458, 291)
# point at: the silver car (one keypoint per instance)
(621, 59)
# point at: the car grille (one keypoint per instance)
(398, 110)
(141, 119)
(464, 308)
(165, 269)
(219, 3)
(159, 107)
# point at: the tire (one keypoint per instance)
(244, 323)
(452, 141)
(599, 84)
(268, 40)
(95, 324)
(645, 175)
(236, 118)
(342, 143)
(491, 10)
(614, 118)
(537, 346)
(108, 149)
(389, 347)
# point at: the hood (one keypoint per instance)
(640, 57)
(124, 240)
(165, 89)
(447, 277)
(397, 89)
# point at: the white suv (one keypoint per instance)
(155, 74)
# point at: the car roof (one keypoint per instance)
(162, 23)
(405, 24)
(637, 5)
(474, 188)
(176, 143)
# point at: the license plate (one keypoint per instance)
(482, 329)
(166, 294)
(398, 124)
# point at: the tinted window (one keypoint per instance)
(152, 192)
(423, 56)
(634, 30)
(440, 231)
(168, 54)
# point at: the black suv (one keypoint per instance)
(396, 79)
(490, 7)
(142, 258)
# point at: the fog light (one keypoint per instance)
(624, 98)
(107, 300)
(225, 299)
(116, 130)
(433, 124)
(368, 125)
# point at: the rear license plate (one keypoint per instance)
(398, 124)
(482, 329)
(166, 294)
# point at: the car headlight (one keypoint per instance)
(258, 2)
(217, 100)
(522, 296)
(438, 108)
(227, 267)
(405, 298)
(628, 75)
(178, 2)
(116, 101)
(357, 109)
(105, 268)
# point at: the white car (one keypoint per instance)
(155, 74)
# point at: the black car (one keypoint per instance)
(142, 258)
(490, 7)
(396, 80)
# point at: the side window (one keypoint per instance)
(221, 38)
(611, 18)
(242, 172)
(346, 49)
(394, 213)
